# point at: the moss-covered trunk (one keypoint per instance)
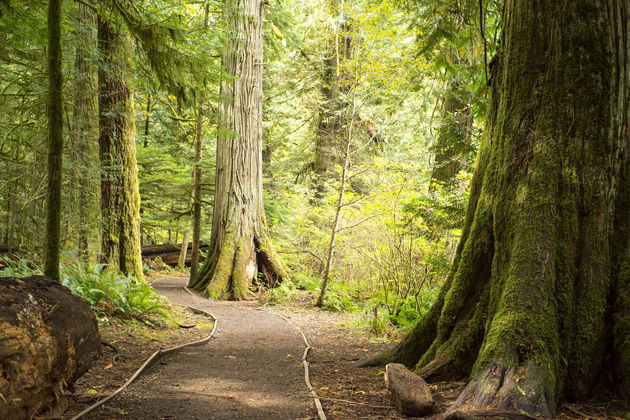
(55, 140)
(120, 197)
(85, 146)
(453, 142)
(536, 307)
(240, 246)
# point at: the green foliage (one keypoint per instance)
(341, 298)
(105, 290)
(110, 292)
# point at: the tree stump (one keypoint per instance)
(48, 338)
(410, 392)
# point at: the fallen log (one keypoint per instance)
(169, 253)
(48, 339)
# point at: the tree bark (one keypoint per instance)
(536, 306)
(183, 251)
(196, 194)
(48, 338)
(85, 150)
(120, 197)
(453, 140)
(55, 140)
(337, 82)
(240, 243)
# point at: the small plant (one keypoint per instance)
(280, 293)
(108, 291)
(340, 299)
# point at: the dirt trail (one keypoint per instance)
(251, 369)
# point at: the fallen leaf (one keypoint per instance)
(229, 357)
(108, 366)
(91, 392)
(289, 356)
(359, 392)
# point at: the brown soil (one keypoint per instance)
(133, 343)
(252, 368)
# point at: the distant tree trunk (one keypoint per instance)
(147, 122)
(55, 140)
(120, 197)
(181, 263)
(537, 305)
(337, 82)
(85, 150)
(453, 140)
(335, 226)
(240, 244)
(196, 196)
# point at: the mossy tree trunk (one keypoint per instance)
(85, 147)
(55, 140)
(240, 246)
(120, 197)
(453, 142)
(536, 306)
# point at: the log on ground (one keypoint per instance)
(48, 338)
(169, 253)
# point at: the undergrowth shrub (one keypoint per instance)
(105, 290)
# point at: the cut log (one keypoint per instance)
(48, 338)
(169, 253)
(410, 393)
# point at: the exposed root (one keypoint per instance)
(231, 268)
(516, 388)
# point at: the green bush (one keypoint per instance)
(105, 290)
(108, 291)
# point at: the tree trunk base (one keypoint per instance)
(516, 388)
(235, 265)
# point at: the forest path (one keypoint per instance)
(251, 368)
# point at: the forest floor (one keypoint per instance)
(252, 367)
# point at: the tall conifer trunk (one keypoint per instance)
(85, 150)
(196, 193)
(240, 246)
(120, 197)
(536, 305)
(336, 85)
(55, 140)
(453, 140)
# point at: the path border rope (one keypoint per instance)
(157, 354)
(307, 379)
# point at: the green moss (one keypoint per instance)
(241, 277)
(216, 283)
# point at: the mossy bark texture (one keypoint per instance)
(240, 246)
(120, 196)
(55, 140)
(536, 307)
(453, 142)
(85, 147)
